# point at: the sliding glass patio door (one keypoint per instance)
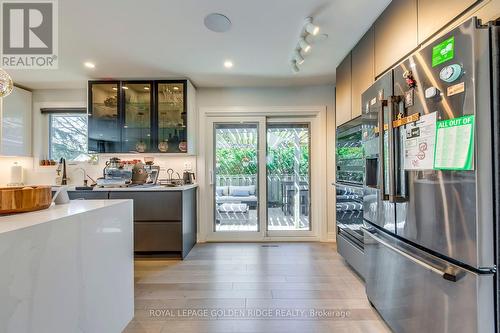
(288, 178)
(238, 178)
(259, 174)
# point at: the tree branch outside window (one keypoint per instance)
(68, 136)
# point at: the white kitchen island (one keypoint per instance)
(68, 268)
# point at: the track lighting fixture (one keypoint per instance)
(308, 35)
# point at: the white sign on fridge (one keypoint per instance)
(419, 143)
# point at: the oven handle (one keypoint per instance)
(347, 185)
(443, 274)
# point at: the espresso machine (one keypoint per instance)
(115, 174)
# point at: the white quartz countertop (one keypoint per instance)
(147, 188)
(139, 188)
(24, 220)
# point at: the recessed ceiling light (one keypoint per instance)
(217, 22)
(228, 64)
(89, 64)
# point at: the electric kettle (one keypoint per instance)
(188, 177)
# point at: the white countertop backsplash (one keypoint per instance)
(35, 174)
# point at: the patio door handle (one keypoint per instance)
(211, 176)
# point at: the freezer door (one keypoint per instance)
(447, 211)
(416, 292)
(376, 207)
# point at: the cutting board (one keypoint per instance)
(24, 199)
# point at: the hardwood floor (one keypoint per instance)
(252, 287)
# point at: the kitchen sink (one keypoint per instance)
(83, 188)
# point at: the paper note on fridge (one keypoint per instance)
(419, 143)
(455, 144)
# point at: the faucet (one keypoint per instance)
(85, 181)
(62, 168)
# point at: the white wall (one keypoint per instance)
(323, 95)
(282, 96)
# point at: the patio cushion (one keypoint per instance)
(240, 193)
(222, 190)
(228, 198)
(249, 188)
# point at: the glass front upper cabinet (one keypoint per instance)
(137, 117)
(104, 135)
(171, 124)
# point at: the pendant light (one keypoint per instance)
(6, 84)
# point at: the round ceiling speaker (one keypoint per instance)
(217, 22)
(6, 84)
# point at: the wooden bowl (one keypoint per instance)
(24, 199)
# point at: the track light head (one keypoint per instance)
(295, 68)
(311, 28)
(299, 59)
(304, 45)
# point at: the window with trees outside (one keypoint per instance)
(68, 137)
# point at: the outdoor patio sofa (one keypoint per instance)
(237, 194)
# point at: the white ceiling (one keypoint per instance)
(167, 38)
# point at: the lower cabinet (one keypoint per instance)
(157, 236)
(165, 222)
(153, 205)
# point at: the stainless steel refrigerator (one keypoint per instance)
(430, 205)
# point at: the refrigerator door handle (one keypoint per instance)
(392, 165)
(393, 193)
(445, 275)
(381, 149)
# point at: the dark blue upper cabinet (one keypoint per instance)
(137, 136)
(138, 116)
(104, 118)
(171, 123)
